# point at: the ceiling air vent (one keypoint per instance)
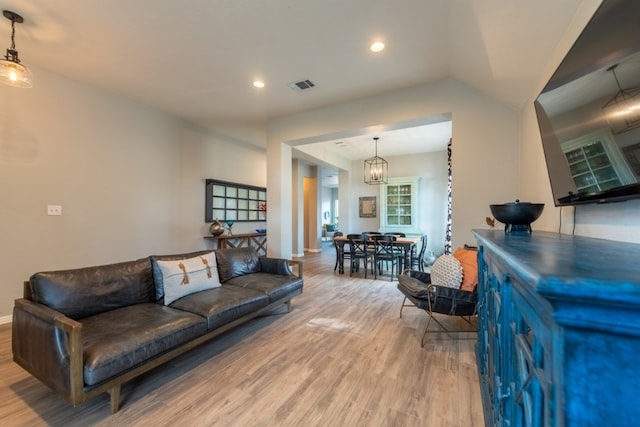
(301, 85)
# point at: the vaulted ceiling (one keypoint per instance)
(197, 59)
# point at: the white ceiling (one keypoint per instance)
(396, 142)
(405, 141)
(197, 59)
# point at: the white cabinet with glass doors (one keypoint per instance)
(399, 206)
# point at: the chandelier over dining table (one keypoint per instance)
(376, 168)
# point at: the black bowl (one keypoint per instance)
(517, 216)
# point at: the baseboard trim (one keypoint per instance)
(298, 255)
(6, 319)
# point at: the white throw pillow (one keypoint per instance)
(186, 276)
(446, 271)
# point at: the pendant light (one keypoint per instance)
(12, 72)
(623, 110)
(376, 169)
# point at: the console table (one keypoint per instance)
(247, 240)
(558, 330)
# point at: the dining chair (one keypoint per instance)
(386, 252)
(399, 250)
(417, 260)
(359, 250)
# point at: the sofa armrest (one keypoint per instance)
(48, 345)
(280, 266)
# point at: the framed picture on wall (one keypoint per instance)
(368, 207)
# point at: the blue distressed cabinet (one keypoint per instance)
(558, 330)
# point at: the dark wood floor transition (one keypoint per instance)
(341, 357)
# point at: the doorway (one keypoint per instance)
(416, 148)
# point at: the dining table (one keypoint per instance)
(406, 244)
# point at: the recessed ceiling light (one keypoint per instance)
(377, 47)
(259, 84)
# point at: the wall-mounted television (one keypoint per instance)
(589, 111)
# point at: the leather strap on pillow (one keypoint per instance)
(157, 274)
(187, 276)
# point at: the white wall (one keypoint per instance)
(297, 215)
(129, 178)
(485, 137)
(432, 195)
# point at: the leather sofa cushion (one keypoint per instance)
(235, 262)
(120, 339)
(157, 272)
(222, 305)
(87, 291)
(274, 285)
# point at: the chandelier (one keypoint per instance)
(376, 169)
(12, 72)
(623, 110)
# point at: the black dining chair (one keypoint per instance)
(417, 260)
(387, 253)
(359, 250)
(398, 249)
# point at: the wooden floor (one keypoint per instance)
(341, 357)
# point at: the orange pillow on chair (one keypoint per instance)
(469, 261)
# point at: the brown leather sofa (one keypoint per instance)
(86, 331)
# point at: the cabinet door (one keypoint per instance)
(533, 376)
(399, 205)
(515, 350)
(494, 341)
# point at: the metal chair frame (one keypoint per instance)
(428, 304)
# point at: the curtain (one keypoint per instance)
(447, 238)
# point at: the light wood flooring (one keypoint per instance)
(341, 357)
